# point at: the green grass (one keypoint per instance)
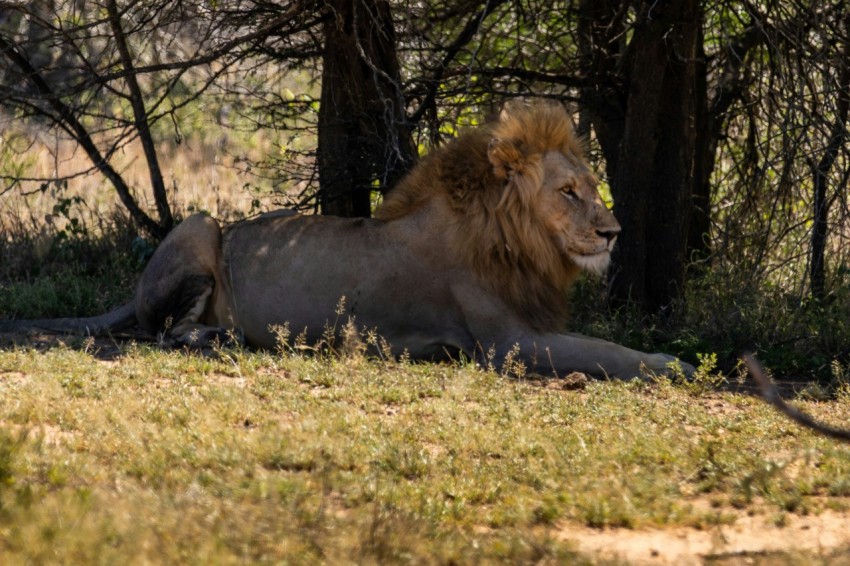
(162, 456)
(53, 273)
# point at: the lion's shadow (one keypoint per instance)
(103, 348)
(114, 347)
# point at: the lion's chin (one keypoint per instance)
(595, 263)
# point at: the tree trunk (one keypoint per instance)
(711, 120)
(670, 204)
(699, 248)
(820, 224)
(820, 172)
(365, 142)
(645, 124)
(603, 102)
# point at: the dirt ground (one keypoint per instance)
(750, 540)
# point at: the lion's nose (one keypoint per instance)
(609, 233)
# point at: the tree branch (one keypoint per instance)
(465, 36)
(297, 8)
(141, 119)
(66, 119)
(534, 76)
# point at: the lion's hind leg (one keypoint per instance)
(177, 288)
(190, 332)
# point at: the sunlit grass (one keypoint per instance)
(174, 457)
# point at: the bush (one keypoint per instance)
(79, 270)
(722, 314)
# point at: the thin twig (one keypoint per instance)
(770, 394)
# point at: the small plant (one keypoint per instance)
(840, 378)
(62, 209)
(282, 334)
(352, 344)
(706, 378)
(513, 366)
(329, 335)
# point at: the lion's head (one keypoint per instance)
(524, 207)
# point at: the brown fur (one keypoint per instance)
(491, 179)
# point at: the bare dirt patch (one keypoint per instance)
(12, 377)
(748, 536)
(48, 434)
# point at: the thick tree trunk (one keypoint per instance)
(711, 120)
(670, 204)
(603, 103)
(365, 142)
(644, 118)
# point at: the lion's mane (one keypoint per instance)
(490, 179)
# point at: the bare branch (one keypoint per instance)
(770, 394)
(66, 119)
(464, 37)
(141, 119)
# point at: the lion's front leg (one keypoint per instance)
(562, 354)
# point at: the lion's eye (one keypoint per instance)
(569, 193)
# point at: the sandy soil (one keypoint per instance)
(824, 534)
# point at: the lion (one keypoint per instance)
(471, 255)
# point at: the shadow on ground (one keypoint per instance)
(104, 348)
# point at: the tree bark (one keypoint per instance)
(708, 124)
(365, 142)
(670, 204)
(643, 111)
(603, 102)
(711, 120)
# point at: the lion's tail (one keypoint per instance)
(122, 318)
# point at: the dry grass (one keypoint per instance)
(203, 172)
(132, 454)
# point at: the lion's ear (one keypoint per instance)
(516, 106)
(506, 157)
